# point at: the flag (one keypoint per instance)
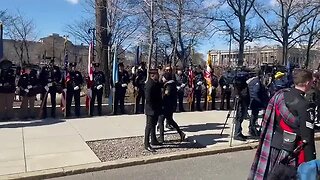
(115, 69)
(207, 76)
(67, 78)
(137, 59)
(90, 76)
(1, 41)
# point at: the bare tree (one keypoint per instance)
(21, 30)
(283, 18)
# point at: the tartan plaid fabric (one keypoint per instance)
(264, 159)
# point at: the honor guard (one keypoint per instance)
(97, 88)
(182, 82)
(121, 88)
(27, 88)
(74, 83)
(50, 79)
(224, 83)
(214, 86)
(7, 89)
(139, 83)
(198, 83)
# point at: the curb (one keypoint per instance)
(92, 167)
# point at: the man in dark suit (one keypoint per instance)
(152, 108)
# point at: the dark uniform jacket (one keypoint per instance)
(28, 84)
(140, 79)
(153, 96)
(224, 81)
(50, 75)
(169, 96)
(181, 79)
(300, 107)
(75, 80)
(257, 92)
(214, 81)
(124, 78)
(98, 79)
(7, 81)
(198, 80)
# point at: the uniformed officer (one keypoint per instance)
(73, 89)
(139, 84)
(313, 96)
(224, 83)
(153, 109)
(214, 86)
(50, 79)
(7, 89)
(97, 88)
(199, 81)
(28, 86)
(121, 88)
(182, 82)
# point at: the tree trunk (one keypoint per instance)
(102, 40)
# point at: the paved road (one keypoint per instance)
(227, 166)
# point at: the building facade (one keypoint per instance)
(255, 56)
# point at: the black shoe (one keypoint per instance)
(240, 137)
(254, 132)
(182, 136)
(150, 149)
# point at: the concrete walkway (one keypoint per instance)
(46, 144)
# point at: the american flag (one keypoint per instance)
(207, 76)
(66, 79)
(90, 76)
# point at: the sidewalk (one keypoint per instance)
(40, 145)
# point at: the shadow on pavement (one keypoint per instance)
(209, 139)
(202, 127)
(32, 123)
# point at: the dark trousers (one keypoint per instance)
(53, 93)
(225, 95)
(254, 117)
(169, 117)
(150, 130)
(241, 113)
(180, 100)
(119, 99)
(96, 94)
(70, 94)
(213, 99)
(197, 98)
(140, 96)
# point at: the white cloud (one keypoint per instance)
(73, 1)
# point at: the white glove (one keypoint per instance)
(124, 85)
(26, 90)
(29, 87)
(76, 88)
(178, 87)
(99, 87)
(1, 85)
(49, 84)
(46, 88)
(183, 85)
(224, 87)
(199, 83)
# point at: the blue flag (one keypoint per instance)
(1, 41)
(115, 68)
(137, 59)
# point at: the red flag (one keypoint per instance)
(90, 76)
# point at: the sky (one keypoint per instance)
(52, 16)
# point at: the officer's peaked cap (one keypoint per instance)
(73, 64)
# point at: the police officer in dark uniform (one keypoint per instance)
(224, 83)
(199, 81)
(97, 88)
(153, 109)
(50, 79)
(121, 88)
(214, 86)
(73, 89)
(182, 82)
(313, 96)
(139, 81)
(7, 89)
(28, 86)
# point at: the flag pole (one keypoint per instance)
(1, 40)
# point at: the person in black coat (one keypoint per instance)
(120, 89)
(169, 106)
(182, 82)
(199, 81)
(97, 89)
(139, 80)
(153, 109)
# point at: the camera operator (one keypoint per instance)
(242, 94)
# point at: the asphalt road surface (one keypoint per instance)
(227, 166)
